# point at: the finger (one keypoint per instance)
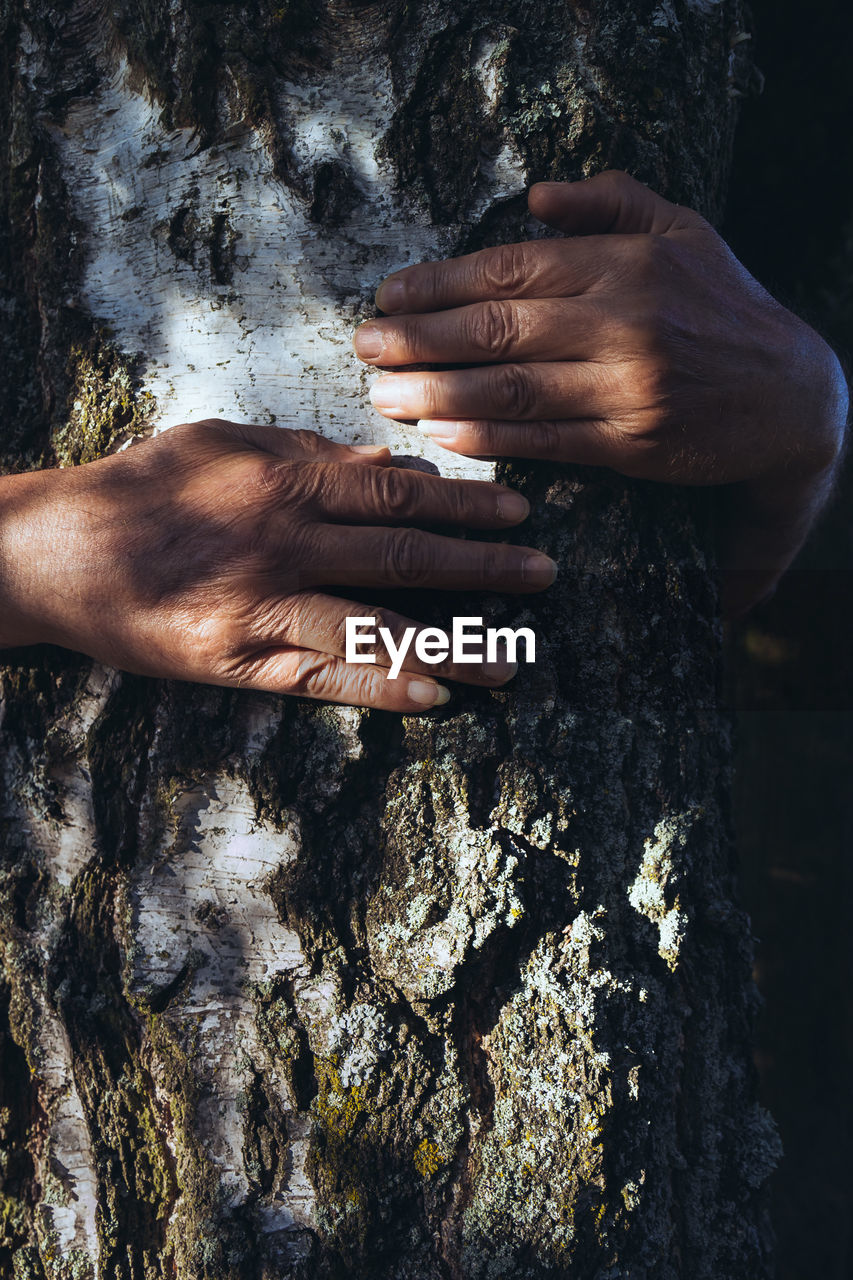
(379, 495)
(497, 330)
(303, 445)
(611, 202)
(540, 269)
(305, 674)
(515, 392)
(348, 556)
(587, 441)
(312, 620)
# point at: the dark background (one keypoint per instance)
(790, 220)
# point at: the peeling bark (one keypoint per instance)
(299, 991)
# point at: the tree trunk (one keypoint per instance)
(299, 991)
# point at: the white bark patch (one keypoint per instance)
(66, 1171)
(654, 892)
(479, 893)
(201, 908)
(275, 342)
(67, 844)
(502, 171)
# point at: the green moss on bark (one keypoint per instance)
(104, 407)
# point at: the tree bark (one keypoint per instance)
(300, 991)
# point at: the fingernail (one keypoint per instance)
(368, 342)
(439, 430)
(513, 506)
(369, 448)
(385, 394)
(428, 694)
(390, 295)
(538, 571)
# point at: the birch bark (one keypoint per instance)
(297, 991)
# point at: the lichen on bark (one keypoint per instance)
(335, 994)
(104, 408)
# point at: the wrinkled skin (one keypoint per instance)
(638, 342)
(203, 554)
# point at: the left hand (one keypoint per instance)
(639, 343)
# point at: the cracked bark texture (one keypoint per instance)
(297, 991)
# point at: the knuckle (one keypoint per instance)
(308, 442)
(321, 678)
(391, 623)
(635, 335)
(647, 399)
(513, 391)
(277, 481)
(393, 490)
(402, 340)
(493, 329)
(648, 427)
(503, 269)
(433, 392)
(192, 436)
(272, 479)
(549, 436)
(191, 428)
(386, 620)
(408, 557)
(205, 424)
(312, 677)
(275, 618)
(650, 383)
(461, 499)
(218, 638)
(361, 687)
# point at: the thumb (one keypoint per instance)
(611, 202)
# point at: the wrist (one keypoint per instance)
(24, 500)
(823, 411)
(764, 521)
(793, 491)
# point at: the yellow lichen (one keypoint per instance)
(427, 1158)
(339, 1106)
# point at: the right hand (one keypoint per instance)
(201, 555)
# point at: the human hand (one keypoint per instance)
(201, 554)
(640, 344)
